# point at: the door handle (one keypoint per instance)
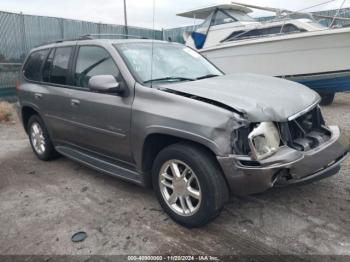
(38, 96)
(75, 102)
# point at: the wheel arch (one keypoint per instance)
(26, 112)
(154, 142)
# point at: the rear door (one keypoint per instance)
(56, 77)
(102, 121)
(33, 92)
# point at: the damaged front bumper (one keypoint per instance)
(287, 166)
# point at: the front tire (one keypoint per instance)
(40, 140)
(189, 184)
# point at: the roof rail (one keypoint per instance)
(85, 37)
(91, 37)
(99, 36)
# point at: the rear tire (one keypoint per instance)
(327, 98)
(40, 140)
(198, 192)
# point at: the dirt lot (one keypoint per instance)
(43, 204)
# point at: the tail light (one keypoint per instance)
(17, 86)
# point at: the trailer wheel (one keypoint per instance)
(327, 98)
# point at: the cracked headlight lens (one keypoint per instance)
(264, 140)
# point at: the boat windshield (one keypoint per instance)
(221, 17)
(240, 16)
(171, 62)
(205, 25)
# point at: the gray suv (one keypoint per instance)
(159, 114)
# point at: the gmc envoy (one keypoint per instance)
(159, 114)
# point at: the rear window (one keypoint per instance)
(60, 65)
(32, 69)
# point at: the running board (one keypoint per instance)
(103, 165)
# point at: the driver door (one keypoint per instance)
(102, 121)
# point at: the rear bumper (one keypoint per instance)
(286, 167)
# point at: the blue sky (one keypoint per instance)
(139, 11)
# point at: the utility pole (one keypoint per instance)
(125, 20)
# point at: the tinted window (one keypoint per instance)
(234, 36)
(287, 29)
(33, 65)
(60, 64)
(264, 31)
(94, 61)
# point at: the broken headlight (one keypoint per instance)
(264, 140)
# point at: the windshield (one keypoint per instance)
(240, 16)
(171, 62)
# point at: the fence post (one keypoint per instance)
(23, 33)
(99, 29)
(61, 23)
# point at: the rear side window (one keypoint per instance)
(60, 65)
(92, 61)
(32, 69)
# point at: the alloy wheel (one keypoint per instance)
(180, 187)
(37, 138)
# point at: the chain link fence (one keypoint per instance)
(20, 33)
(8, 76)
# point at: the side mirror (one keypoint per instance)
(105, 84)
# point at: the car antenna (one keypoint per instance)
(154, 11)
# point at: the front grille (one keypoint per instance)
(306, 132)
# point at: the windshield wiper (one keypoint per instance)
(206, 76)
(169, 78)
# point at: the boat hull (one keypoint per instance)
(331, 82)
(318, 59)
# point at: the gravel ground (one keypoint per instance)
(43, 203)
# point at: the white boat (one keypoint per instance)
(296, 47)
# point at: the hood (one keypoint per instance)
(259, 98)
